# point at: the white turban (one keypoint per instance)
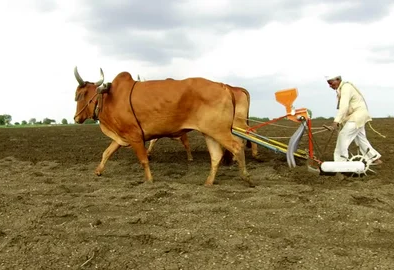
(328, 78)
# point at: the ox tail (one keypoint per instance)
(248, 143)
(227, 158)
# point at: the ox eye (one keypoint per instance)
(79, 96)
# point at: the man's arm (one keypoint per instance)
(344, 103)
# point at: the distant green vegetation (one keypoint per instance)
(258, 119)
(6, 119)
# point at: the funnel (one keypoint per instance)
(286, 98)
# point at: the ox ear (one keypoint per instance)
(104, 88)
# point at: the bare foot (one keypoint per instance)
(377, 162)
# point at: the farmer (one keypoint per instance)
(352, 114)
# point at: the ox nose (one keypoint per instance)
(76, 120)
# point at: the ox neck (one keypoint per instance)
(98, 105)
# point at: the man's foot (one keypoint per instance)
(376, 162)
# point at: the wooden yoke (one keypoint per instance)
(287, 97)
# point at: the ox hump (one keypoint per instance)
(124, 76)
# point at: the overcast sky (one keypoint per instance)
(263, 46)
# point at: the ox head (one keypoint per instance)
(86, 97)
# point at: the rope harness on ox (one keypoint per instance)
(98, 104)
(132, 109)
(86, 105)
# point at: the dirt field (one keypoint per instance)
(56, 214)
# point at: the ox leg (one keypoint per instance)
(242, 142)
(237, 149)
(185, 141)
(239, 156)
(150, 148)
(229, 155)
(142, 155)
(254, 150)
(111, 149)
(253, 145)
(216, 153)
(250, 144)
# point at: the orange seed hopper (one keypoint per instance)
(287, 97)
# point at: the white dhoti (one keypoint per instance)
(348, 133)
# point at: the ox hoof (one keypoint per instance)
(147, 183)
(246, 178)
(98, 173)
(208, 184)
(249, 182)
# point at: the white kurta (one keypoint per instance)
(353, 115)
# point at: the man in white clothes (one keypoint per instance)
(353, 115)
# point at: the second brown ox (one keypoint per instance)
(132, 112)
(242, 104)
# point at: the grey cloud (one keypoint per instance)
(146, 47)
(162, 15)
(358, 11)
(151, 31)
(106, 16)
(156, 31)
(383, 54)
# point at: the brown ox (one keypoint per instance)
(242, 100)
(132, 112)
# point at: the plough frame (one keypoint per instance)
(287, 97)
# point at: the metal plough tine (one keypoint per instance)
(293, 145)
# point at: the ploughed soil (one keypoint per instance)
(56, 214)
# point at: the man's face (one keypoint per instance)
(334, 84)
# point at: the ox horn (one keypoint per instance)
(100, 82)
(78, 77)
